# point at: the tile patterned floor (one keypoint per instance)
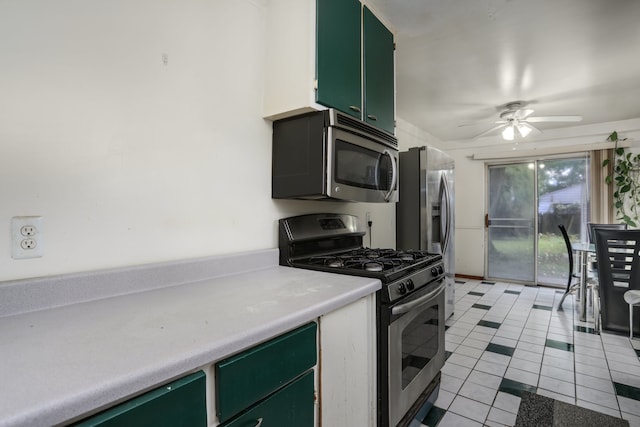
(505, 338)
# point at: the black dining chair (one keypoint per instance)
(593, 225)
(593, 265)
(618, 257)
(572, 286)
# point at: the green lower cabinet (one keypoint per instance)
(248, 377)
(181, 403)
(293, 405)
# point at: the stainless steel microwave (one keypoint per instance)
(330, 155)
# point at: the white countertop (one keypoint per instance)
(60, 363)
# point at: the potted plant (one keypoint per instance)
(626, 176)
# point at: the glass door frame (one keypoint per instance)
(536, 222)
(508, 162)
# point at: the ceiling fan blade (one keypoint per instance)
(554, 119)
(525, 129)
(522, 114)
(477, 124)
(487, 132)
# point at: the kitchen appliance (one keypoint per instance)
(330, 155)
(425, 217)
(410, 305)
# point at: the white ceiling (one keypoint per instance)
(459, 61)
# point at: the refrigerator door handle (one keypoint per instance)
(447, 206)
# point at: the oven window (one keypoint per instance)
(360, 167)
(419, 343)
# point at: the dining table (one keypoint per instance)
(584, 251)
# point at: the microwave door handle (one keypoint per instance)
(394, 174)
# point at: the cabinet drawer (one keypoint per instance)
(293, 405)
(250, 376)
(181, 403)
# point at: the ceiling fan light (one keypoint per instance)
(508, 133)
(524, 130)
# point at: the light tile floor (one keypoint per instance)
(505, 338)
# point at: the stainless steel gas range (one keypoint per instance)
(410, 305)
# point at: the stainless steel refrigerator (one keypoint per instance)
(425, 211)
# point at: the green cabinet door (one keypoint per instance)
(247, 377)
(338, 71)
(181, 403)
(293, 406)
(378, 73)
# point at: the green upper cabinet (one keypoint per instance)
(338, 71)
(378, 73)
(328, 53)
(342, 45)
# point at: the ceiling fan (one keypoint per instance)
(515, 119)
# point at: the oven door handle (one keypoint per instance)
(394, 175)
(404, 308)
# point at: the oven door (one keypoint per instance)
(416, 351)
(360, 169)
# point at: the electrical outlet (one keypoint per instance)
(28, 244)
(26, 232)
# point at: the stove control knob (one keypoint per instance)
(434, 271)
(440, 269)
(402, 288)
(410, 285)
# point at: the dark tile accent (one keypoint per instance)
(512, 292)
(494, 325)
(434, 416)
(484, 282)
(559, 345)
(482, 306)
(447, 354)
(460, 281)
(446, 327)
(579, 328)
(515, 388)
(500, 349)
(542, 307)
(638, 353)
(478, 294)
(627, 391)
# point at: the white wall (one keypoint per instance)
(130, 160)
(471, 185)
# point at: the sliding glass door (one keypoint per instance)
(526, 203)
(563, 198)
(511, 222)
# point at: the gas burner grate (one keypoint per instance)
(372, 260)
